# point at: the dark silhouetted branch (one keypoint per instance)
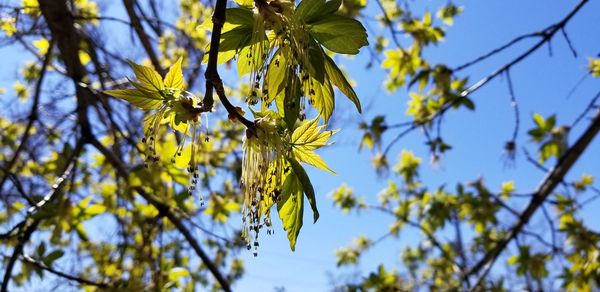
(33, 116)
(554, 177)
(79, 280)
(166, 211)
(144, 39)
(213, 80)
(31, 222)
(546, 35)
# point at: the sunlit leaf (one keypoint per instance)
(148, 78)
(340, 34)
(291, 208)
(306, 186)
(339, 80)
(136, 97)
(174, 78)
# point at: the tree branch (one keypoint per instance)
(33, 116)
(144, 39)
(29, 227)
(546, 34)
(554, 177)
(213, 80)
(28, 259)
(62, 27)
(166, 211)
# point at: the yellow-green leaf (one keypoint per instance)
(309, 136)
(339, 80)
(95, 209)
(323, 98)
(291, 208)
(276, 73)
(174, 78)
(136, 97)
(178, 272)
(307, 187)
(340, 34)
(148, 78)
(303, 155)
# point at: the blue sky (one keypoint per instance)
(541, 83)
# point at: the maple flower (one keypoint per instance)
(288, 30)
(262, 171)
(173, 105)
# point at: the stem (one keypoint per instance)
(213, 80)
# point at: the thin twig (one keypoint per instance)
(554, 177)
(213, 80)
(496, 51)
(566, 36)
(389, 24)
(514, 105)
(547, 35)
(166, 211)
(144, 39)
(33, 116)
(30, 226)
(28, 259)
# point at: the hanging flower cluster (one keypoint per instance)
(263, 167)
(173, 105)
(280, 38)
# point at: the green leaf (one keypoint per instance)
(235, 39)
(148, 78)
(239, 16)
(316, 61)
(309, 9)
(311, 158)
(340, 34)
(179, 126)
(539, 120)
(468, 103)
(548, 150)
(291, 101)
(178, 272)
(251, 57)
(332, 6)
(308, 135)
(291, 208)
(234, 17)
(136, 98)
(338, 79)
(149, 91)
(53, 256)
(41, 249)
(231, 43)
(322, 98)
(304, 131)
(306, 186)
(174, 78)
(247, 3)
(275, 79)
(95, 209)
